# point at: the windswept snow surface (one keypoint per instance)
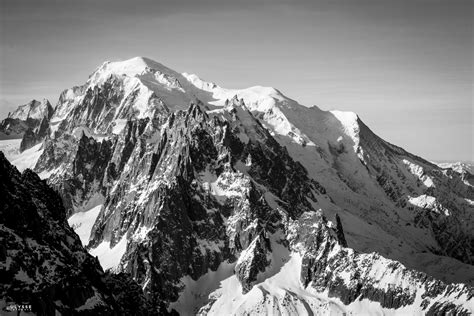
(82, 223)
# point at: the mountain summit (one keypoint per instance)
(26, 117)
(242, 201)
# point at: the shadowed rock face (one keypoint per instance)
(340, 232)
(44, 262)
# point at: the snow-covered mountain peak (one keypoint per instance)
(148, 72)
(156, 77)
(130, 67)
(141, 88)
(32, 110)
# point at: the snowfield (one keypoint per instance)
(109, 257)
(24, 160)
(82, 223)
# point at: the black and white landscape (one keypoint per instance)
(266, 157)
(199, 199)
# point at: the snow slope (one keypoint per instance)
(109, 257)
(24, 160)
(82, 223)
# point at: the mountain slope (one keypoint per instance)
(197, 184)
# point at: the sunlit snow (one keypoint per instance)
(109, 258)
(82, 223)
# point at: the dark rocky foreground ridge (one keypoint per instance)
(301, 211)
(44, 265)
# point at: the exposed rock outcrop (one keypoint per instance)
(44, 263)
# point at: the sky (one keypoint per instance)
(404, 66)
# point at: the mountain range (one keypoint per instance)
(216, 201)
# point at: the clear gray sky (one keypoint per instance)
(405, 66)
